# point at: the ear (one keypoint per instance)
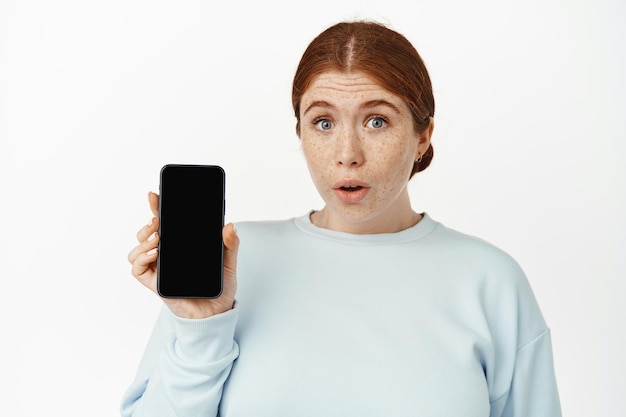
(424, 139)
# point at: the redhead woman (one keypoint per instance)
(363, 307)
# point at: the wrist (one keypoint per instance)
(196, 309)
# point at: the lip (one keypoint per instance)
(349, 182)
(359, 192)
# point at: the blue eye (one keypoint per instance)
(323, 124)
(377, 122)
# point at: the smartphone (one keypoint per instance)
(190, 263)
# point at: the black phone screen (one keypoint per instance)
(191, 214)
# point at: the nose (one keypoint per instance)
(349, 149)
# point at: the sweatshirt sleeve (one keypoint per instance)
(184, 367)
(522, 377)
(533, 390)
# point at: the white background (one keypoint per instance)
(95, 96)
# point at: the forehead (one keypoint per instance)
(354, 86)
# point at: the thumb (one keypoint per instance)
(231, 246)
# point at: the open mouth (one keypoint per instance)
(351, 188)
(351, 191)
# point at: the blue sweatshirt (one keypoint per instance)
(425, 322)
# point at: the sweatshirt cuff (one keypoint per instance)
(208, 339)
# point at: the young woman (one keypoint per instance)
(364, 307)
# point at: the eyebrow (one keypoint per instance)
(375, 103)
(366, 105)
(317, 103)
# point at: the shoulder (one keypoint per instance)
(265, 229)
(474, 250)
(259, 239)
(499, 276)
(503, 287)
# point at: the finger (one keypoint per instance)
(148, 244)
(148, 230)
(153, 199)
(144, 262)
(143, 269)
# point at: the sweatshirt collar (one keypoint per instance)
(420, 230)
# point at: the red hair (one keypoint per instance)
(381, 53)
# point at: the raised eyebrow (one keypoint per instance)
(318, 103)
(375, 103)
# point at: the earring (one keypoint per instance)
(419, 159)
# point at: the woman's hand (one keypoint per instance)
(143, 258)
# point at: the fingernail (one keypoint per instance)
(152, 237)
(151, 222)
(151, 251)
(235, 229)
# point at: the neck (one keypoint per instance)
(389, 224)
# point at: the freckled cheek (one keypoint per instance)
(394, 163)
(317, 159)
(392, 157)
